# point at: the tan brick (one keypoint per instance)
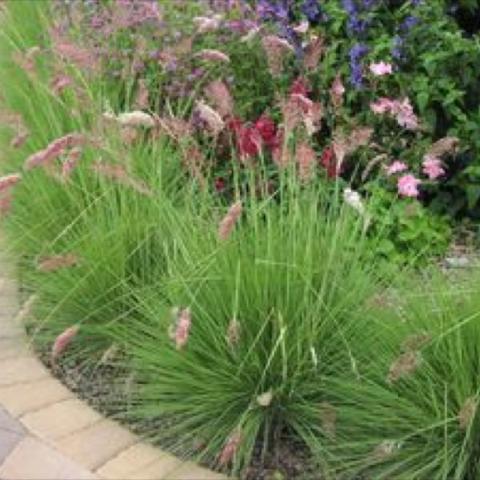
(95, 445)
(60, 419)
(133, 459)
(26, 397)
(13, 347)
(191, 471)
(21, 370)
(158, 470)
(34, 460)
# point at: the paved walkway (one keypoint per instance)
(48, 434)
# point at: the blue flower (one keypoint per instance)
(312, 10)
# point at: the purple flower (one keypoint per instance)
(312, 10)
(357, 52)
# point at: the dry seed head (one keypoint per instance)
(228, 222)
(328, 417)
(404, 365)
(415, 341)
(467, 412)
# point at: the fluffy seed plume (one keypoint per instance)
(9, 181)
(265, 399)
(62, 342)
(182, 329)
(53, 150)
(444, 146)
(70, 163)
(137, 118)
(219, 95)
(404, 365)
(230, 448)
(211, 117)
(306, 160)
(211, 55)
(233, 332)
(118, 174)
(276, 49)
(384, 450)
(26, 309)
(57, 262)
(142, 100)
(354, 199)
(313, 52)
(337, 91)
(228, 222)
(416, 341)
(328, 417)
(467, 412)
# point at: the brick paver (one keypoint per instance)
(48, 434)
(60, 419)
(11, 432)
(95, 445)
(28, 397)
(34, 460)
(21, 370)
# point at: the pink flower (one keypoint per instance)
(396, 167)
(401, 110)
(382, 105)
(408, 186)
(432, 167)
(405, 115)
(306, 159)
(63, 341)
(380, 69)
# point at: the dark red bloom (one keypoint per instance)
(234, 124)
(220, 184)
(249, 141)
(300, 87)
(267, 130)
(329, 162)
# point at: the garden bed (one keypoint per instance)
(220, 209)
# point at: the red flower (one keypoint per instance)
(249, 141)
(220, 184)
(267, 130)
(300, 87)
(234, 124)
(329, 162)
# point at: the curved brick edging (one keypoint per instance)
(48, 434)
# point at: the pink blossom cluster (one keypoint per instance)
(401, 110)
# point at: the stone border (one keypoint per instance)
(46, 433)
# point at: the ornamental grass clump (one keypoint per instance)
(273, 311)
(413, 411)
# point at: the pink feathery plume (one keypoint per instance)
(118, 174)
(70, 163)
(313, 53)
(306, 160)
(213, 56)
(5, 203)
(230, 448)
(9, 181)
(57, 262)
(228, 222)
(142, 101)
(62, 341)
(54, 150)
(337, 92)
(182, 329)
(219, 95)
(211, 117)
(60, 83)
(276, 49)
(19, 139)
